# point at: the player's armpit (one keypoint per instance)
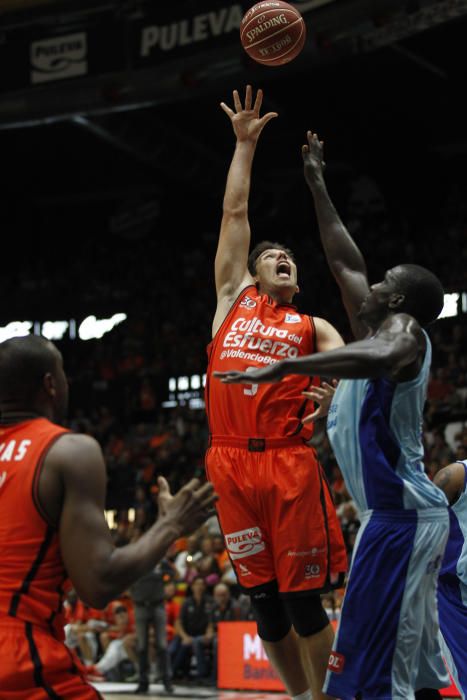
(327, 337)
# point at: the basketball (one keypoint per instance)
(273, 32)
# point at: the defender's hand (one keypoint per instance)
(313, 163)
(321, 395)
(263, 375)
(246, 122)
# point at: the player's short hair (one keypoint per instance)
(24, 362)
(424, 293)
(260, 248)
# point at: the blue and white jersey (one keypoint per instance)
(455, 557)
(375, 429)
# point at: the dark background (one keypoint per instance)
(111, 184)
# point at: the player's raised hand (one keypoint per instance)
(246, 121)
(322, 395)
(189, 508)
(313, 163)
(262, 375)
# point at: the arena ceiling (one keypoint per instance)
(94, 111)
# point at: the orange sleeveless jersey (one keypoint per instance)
(32, 575)
(257, 332)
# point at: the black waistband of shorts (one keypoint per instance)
(255, 444)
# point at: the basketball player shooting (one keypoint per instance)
(386, 644)
(275, 507)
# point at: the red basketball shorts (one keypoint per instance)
(36, 666)
(277, 515)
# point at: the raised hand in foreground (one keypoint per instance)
(246, 122)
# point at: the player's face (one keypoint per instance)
(276, 270)
(375, 306)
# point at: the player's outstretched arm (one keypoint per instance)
(451, 480)
(100, 571)
(234, 241)
(344, 257)
(395, 352)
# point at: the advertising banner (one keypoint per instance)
(243, 664)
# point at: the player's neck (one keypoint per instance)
(279, 296)
(12, 416)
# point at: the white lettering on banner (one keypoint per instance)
(92, 327)
(244, 543)
(253, 646)
(15, 329)
(58, 58)
(190, 31)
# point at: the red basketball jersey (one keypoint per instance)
(256, 333)
(32, 573)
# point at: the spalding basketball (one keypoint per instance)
(272, 32)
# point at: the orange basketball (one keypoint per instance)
(272, 32)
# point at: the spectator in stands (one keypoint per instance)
(193, 632)
(172, 608)
(225, 609)
(83, 626)
(148, 596)
(186, 559)
(207, 565)
(119, 645)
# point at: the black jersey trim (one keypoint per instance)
(38, 667)
(16, 598)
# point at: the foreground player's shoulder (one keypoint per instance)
(327, 337)
(404, 328)
(76, 452)
(404, 345)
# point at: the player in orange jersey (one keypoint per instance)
(275, 507)
(52, 494)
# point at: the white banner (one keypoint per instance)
(58, 58)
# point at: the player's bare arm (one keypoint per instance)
(395, 352)
(344, 257)
(451, 481)
(231, 273)
(327, 337)
(100, 571)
